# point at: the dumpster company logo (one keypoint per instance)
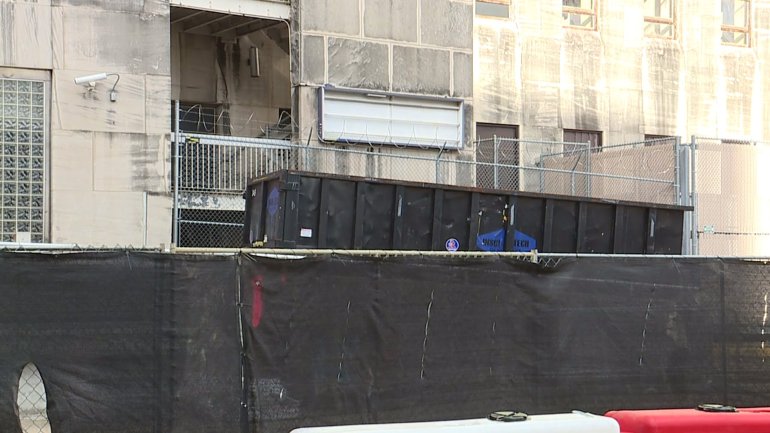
(273, 201)
(523, 243)
(492, 241)
(452, 244)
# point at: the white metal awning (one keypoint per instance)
(274, 10)
(355, 116)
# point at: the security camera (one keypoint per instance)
(90, 80)
(86, 79)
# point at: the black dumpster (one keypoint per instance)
(290, 209)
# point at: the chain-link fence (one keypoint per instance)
(214, 170)
(643, 171)
(732, 200)
(32, 402)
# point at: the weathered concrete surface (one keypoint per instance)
(136, 7)
(533, 73)
(97, 218)
(331, 16)
(420, 70)
(194, 67)
(496, 83)
(130, 162)
(157, 103)
(72, 161)
(462, 68)
(446, 23)
(25, 38)
(361, 64)
(395, 19)
(662, 87)
(314, 60)
(81, 108)
(95, 38)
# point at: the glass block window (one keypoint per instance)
(23, 165)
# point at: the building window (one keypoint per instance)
(736, 20)
(23, 163)
(579, 13)
(493, 8)
(497, 155)
(574, 136)
(659, 18)
(656, 140)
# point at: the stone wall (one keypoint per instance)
(108, 161)
(422, 47)
(534, 73)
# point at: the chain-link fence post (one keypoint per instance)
(496, 147)
(694, 195)
(176, 175)
(541, 165)
(588, 169)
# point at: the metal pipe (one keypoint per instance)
(353, 253)
(694, 196)
(588, 168)
(495, 146)
(677, 192)
(458, 254)
(177, 176)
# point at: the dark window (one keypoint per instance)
(655, 140)
(493, 8)
(497, 152)
(572, 136)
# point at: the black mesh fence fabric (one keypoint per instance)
(345, 340)
(145, 342)
(124, 341)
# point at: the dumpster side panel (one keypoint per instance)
(339, 213)
(416, 212)
(596, 223)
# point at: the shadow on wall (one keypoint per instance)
(31, 401)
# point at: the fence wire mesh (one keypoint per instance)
(214, 171)
(32, 402)
(732, 200)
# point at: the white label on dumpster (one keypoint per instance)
(306, 233)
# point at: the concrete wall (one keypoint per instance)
(254, 102)
(422, 47)
(532, 72)
(109, 161)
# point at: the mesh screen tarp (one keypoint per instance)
(340, 341)
(124, 342)
(141, 342)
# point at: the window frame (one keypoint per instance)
(595, 147)
(732, 28)
(663, 20)
(44, 77)
(495, 4)
(511, 178)
(568, 11)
